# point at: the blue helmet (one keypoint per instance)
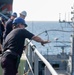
(19, 21)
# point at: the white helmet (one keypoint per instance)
(24, 13)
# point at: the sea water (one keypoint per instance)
(52, 30)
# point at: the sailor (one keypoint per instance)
(14, 44)
(23, 15)
(8, 25)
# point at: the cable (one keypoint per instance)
(48, 34)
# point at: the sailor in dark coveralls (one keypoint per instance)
(8, 24)
(13, 46)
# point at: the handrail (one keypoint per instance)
(48, 65)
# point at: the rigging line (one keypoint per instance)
(47, 34)
(47, 31)
(31, 38)
(54, 30)
(47, 38)
(59, 30)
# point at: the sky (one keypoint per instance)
(44, 10)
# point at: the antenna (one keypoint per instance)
(59, 17)
(65, 16)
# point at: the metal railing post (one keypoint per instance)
(36, 65)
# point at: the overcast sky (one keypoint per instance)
(44, 10)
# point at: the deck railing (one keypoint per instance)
(32, 57)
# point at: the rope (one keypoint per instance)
(46, 31)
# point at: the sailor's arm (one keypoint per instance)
(38, 39)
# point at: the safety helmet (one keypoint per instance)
(14, 14)
(19, 20)
(24, 13)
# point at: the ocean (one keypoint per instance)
(52, 30)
